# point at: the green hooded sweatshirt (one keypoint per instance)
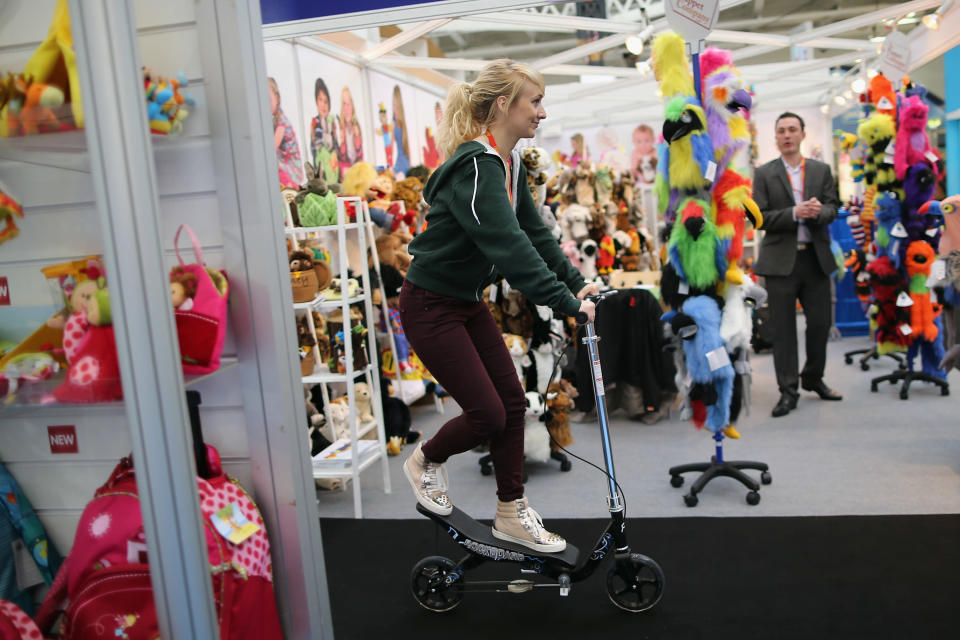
(473, 231)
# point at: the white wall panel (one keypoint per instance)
(61, 223)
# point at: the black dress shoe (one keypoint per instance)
(822, 390)
(785, 405)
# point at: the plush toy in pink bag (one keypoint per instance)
(199, 296)
(89, 345)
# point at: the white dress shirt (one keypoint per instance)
(796, 181)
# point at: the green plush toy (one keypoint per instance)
(318, 211)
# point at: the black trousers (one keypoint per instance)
(809, 284)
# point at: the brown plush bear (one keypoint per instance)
(391, 250)
(408, 190)
(301, 260)
(559, 406)
(183, 287)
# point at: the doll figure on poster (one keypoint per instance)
(323, 135)
(431, 155)
(580, 153)
(643, 158)
(386, 131)
(285, 142)
(351, 138)
(612, 154)
(402, 165)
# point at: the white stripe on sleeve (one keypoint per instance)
(476, 176)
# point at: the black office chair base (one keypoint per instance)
(713, 469)
(909, 377)
(872, 353)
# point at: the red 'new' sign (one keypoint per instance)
(4, 292)
(63, 438)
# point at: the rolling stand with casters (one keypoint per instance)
(718, 467)
(486, 464)
(634, 582)
(872, 353)
(909, 377)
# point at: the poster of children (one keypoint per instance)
(429, 112)
(285, 113)
(332, 113)
(643, 158)
(398, 141)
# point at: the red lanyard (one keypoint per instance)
(803, 177)
(493, 143)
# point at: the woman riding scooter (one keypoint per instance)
(483, 220)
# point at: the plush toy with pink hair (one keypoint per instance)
(913, 145)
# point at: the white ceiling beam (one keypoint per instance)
(837, 43)
(582, 51)
(794, 18)
(407, 35)
(749, 37)
(864, 20)
(754, 50)
(463, 64)
(518, 50)
(525, 21)
(926, 45)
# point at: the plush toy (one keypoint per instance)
(597, 227)
(882, 96)
(90, 347)
(707, 362)
(559, 406)
(877, 132)
(391, 250)
(517, 316)
(517, 347)
(724, 102)
(605, 256)
(301, 260)
(949, 211)
(9, 209)
(361, 395)
(574, 220)
(40, 102)
(603, 186)
(588, 263)
(913, 145)
(920, 256)
(584, 185)
(537, 162)
(695, 248)
(323, 339)
(396, 420)
(358, 178)
(890, 229)
(732, 202)
(689, 152)
(536, 438)
(165, 102)
(183, 288)
(892, 302)
(670, 66)
(918, 189)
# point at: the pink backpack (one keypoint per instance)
(202, 319)
(105, 581)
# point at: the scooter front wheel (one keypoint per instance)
(435, 585)
(635, 584)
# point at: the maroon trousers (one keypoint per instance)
(461, 345)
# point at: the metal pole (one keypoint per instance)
(124, 181)
(591, 340)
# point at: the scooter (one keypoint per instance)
(634, 582)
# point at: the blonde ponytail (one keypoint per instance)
(471, 109)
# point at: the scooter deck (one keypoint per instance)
(478, 539)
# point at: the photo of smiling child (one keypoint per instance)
(351, 138)
(323, 135)
(284, 141)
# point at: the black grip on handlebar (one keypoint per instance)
(580, 317)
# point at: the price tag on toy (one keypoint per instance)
(904, 300)
(683, 288)
(692, 19)
(898, 230)
(718, 358)
(232, 524)
(895, 56)
(938, 271)
(711, 173)
(905, 329)
(931, 156)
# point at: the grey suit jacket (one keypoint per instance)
(774, 196)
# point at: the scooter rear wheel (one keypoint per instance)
(635, 585)
(434, 585)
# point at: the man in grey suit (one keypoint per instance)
(799, 200)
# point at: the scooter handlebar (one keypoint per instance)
(580, 317)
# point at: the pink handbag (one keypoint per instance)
(202, 316)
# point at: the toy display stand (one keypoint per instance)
(486, 463)
(718, 467)
(908, 378)
(872, 353)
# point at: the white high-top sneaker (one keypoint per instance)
(429, 482)
(517, 522)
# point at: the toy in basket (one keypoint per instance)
(199, 295)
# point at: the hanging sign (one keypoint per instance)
(4, 292)
(895, 57)
(692, 19)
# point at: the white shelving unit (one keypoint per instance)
(321, 375)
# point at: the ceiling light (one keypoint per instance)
(840, 100)
(825, 109)
(635, 44)
(878, 38)
(858, 85)
(848, 94)
(931, 21)
(871, 73)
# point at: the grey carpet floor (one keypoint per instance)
(870, 454)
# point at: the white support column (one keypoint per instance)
(122, 170)
(261, 306)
